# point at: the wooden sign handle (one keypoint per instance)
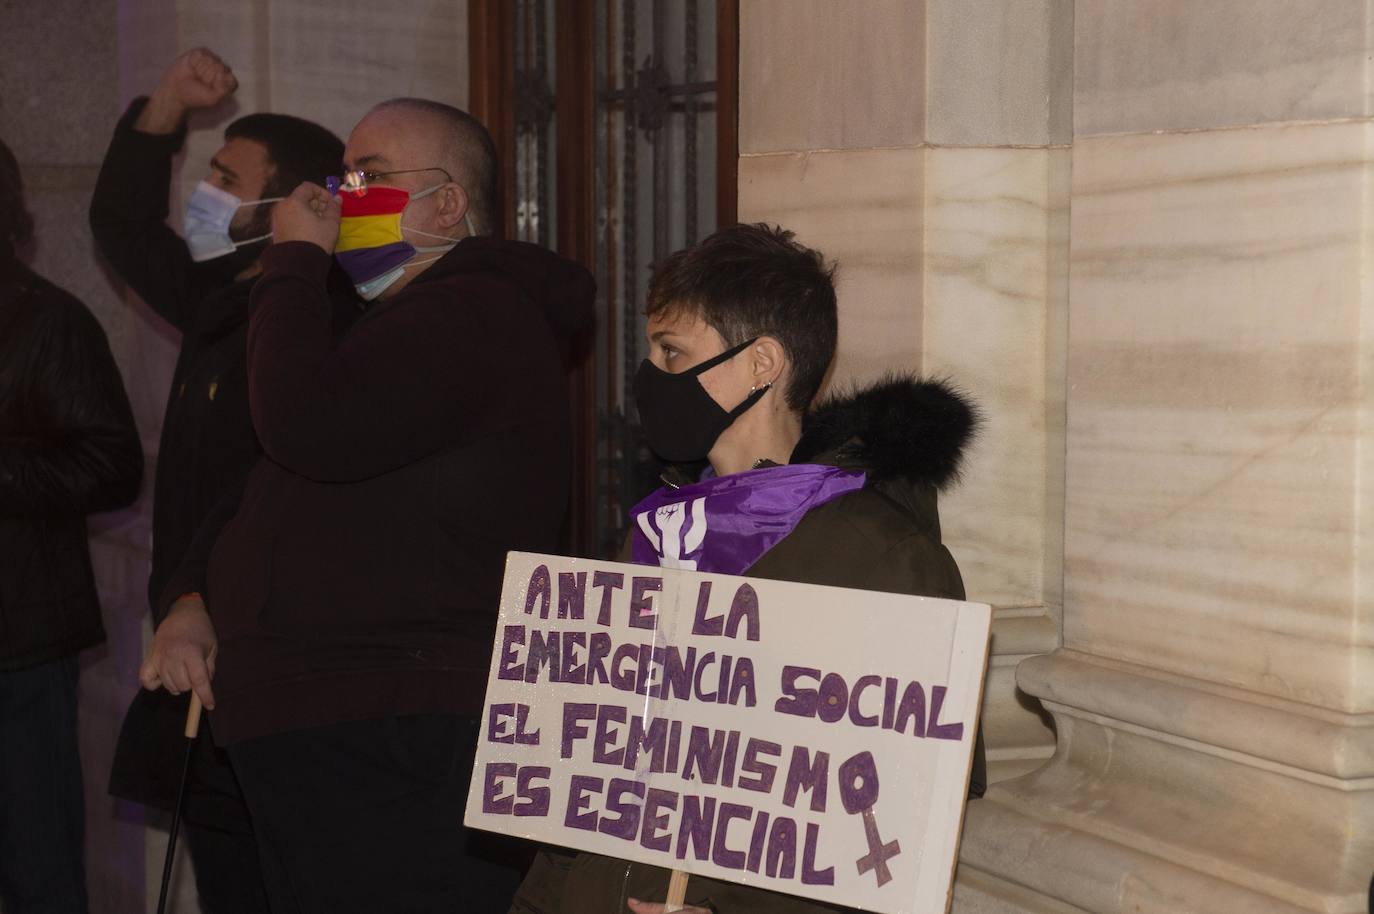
(677, 892)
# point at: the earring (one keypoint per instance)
(753, 390)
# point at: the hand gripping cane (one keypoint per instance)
(192, 728)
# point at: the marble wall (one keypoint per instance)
(920, 146)
(1138, 234)
(1220, 257)
(863, 209)
(1212, 696)
(1175, 65)
(832, 119)
(70, 68)
(1215, 435)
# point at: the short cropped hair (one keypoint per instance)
(16, 225)
(469, 154)
(750, 280)
(299, 150)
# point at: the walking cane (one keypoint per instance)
(192, 728)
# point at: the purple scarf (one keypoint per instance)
(726, 523)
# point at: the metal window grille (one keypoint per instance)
(655, 174)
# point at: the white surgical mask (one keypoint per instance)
(208, 214)
(369, 290)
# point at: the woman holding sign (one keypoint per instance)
(742, 330)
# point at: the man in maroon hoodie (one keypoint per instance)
(352, 598)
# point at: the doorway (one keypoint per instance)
(617, 125)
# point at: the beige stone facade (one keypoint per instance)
(1138, 234)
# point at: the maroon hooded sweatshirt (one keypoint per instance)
(361, 574)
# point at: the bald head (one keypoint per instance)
(457, 142)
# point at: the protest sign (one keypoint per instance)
(803, 739)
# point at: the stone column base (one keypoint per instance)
(1169, 794)
(1018, 734)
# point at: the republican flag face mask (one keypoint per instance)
(372, 249)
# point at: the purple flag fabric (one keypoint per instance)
(362, 264)
(726, 523)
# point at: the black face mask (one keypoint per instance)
(681, 421)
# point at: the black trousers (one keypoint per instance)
(215, 826)
(42, 810)
(367, 817)
(219, 835)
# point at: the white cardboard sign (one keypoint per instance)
(803, 739)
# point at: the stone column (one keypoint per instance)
(1214, 692)
(995, 304)
(831, 135)
(914, 145)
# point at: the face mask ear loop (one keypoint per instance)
(419, 263)
(433, 247)
(727, 355)
(467, 218)
(247, 241)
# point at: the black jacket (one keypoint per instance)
(207, 443)
(362, 573)
(68, 448)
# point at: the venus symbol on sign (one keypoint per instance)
(859, 793)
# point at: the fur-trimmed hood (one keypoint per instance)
(900, 428)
